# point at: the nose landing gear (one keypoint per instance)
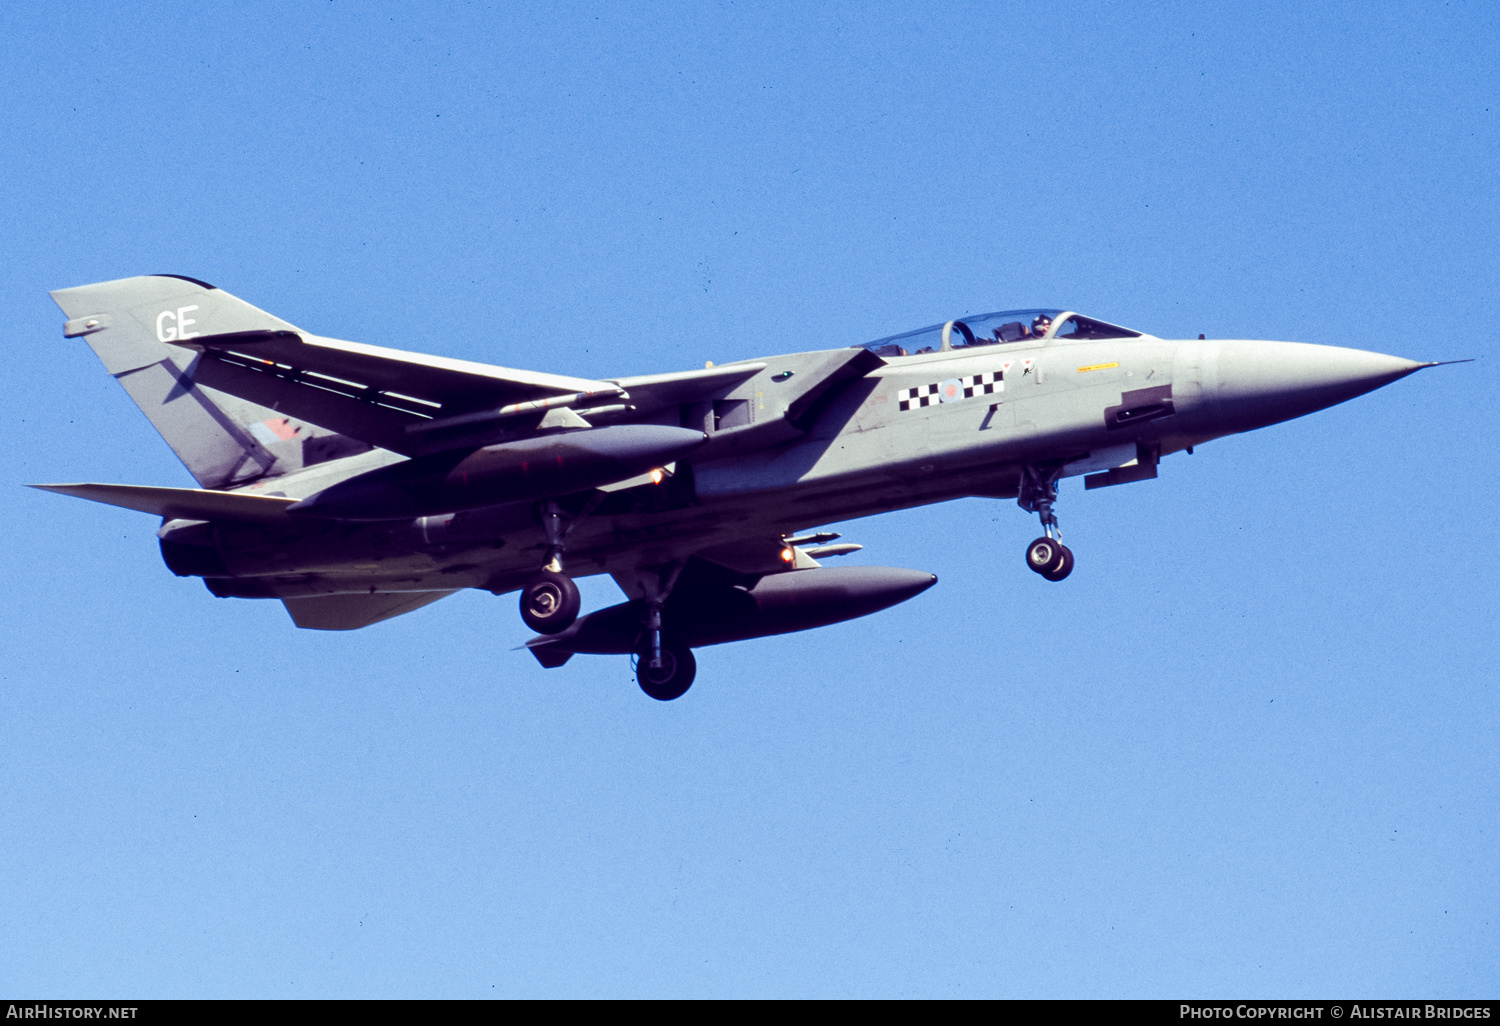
(1046, 556)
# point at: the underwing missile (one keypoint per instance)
(532, 468)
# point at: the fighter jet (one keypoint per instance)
(355, 483)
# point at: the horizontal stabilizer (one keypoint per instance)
(351, 612)
(184, 503)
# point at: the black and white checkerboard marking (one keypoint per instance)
(930, 395)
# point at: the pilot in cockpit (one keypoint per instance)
(1040, 325)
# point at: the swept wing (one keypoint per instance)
(367, 392)
(413, 403)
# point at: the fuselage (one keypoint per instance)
(918, 429)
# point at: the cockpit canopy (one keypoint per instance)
(997, 328)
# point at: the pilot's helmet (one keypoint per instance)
(1041, 325)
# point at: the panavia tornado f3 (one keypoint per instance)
(355, 483)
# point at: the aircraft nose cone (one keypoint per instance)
(1263, 383)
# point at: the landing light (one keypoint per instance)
(657, 475)
(787, 555)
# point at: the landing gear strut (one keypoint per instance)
(663, 669)
(1047, 555)
(550, 600)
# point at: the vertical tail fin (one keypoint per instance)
(223, 441)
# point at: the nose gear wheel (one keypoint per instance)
(1063, 568)
(1047, 555)
(1044, 555)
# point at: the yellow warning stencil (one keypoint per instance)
(1099, 366)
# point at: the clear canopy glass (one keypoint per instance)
(995, 329)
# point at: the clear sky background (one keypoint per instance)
(1248, 748)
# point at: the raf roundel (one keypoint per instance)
(950, 391)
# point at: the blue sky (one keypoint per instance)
(1248, 748)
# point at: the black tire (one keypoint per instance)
(1064, 568)
(678, 668)
(549, 604)
(1044, 555)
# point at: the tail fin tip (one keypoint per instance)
(183, 277)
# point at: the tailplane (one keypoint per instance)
(224, 442)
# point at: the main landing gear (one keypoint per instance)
(663, 669)
(1047, 555)
(550, 600)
